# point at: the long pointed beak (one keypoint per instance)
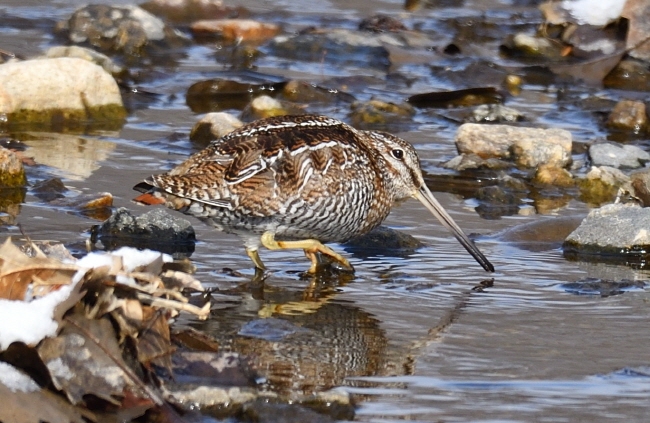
(430, 202)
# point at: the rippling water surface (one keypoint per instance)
(407, 335)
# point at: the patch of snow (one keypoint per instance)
(597, 13)
(133, 258)
(16, 380)
(30, 322)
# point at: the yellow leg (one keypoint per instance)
(311, 247)
(255, 257)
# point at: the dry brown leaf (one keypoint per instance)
(180, 280)
(78, 366)
(154, 344)
(17, 272)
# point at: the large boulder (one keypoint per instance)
(58, 90)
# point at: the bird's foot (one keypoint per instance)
(311, 247)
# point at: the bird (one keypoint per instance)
(299, 182)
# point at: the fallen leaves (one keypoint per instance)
(18, 272)
(94, 328)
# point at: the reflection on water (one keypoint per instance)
(72, 156)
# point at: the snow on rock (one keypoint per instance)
(597, 13)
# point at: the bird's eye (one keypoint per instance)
(397, 153)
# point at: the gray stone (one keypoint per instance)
(614, 229)
(495, 113)
(157, 230)
(127, 29)
(615, 155)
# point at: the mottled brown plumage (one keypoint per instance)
(298, 182)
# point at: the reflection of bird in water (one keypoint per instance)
(308, 341)
(298, 182)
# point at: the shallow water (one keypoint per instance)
(406, 335)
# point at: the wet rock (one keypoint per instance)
(618, 156)
(553, 175)
(157, 230)
(306, 92)
(465, 97)
(529, 147)
(628, 115)
(12, 172)
(264, 411)
(213, 126)
(552, 149)
(381, 23)
(533, 46)
(190, 10)
(540, 235)
(636, 11)
(602, 184)
(513, 84)
(46, 91)
(388, 240)
(265, 106)
(640, 181)
(126, 29)
(615, 230)
(221, 94)
(338, 46)
(629, 74)
(473, 161)
(550, 202)
(497, 201)
(488, 113)
(377, 112)
(226, 401)
(245, 30)
(602, 287)
(335, 403)
(87, 54)
(96, 206)
(49, 189)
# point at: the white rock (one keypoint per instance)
(61, 83)
(529, 147)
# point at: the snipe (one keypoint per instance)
(299, 182)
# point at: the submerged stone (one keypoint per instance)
(602, 287)
(601, 184)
